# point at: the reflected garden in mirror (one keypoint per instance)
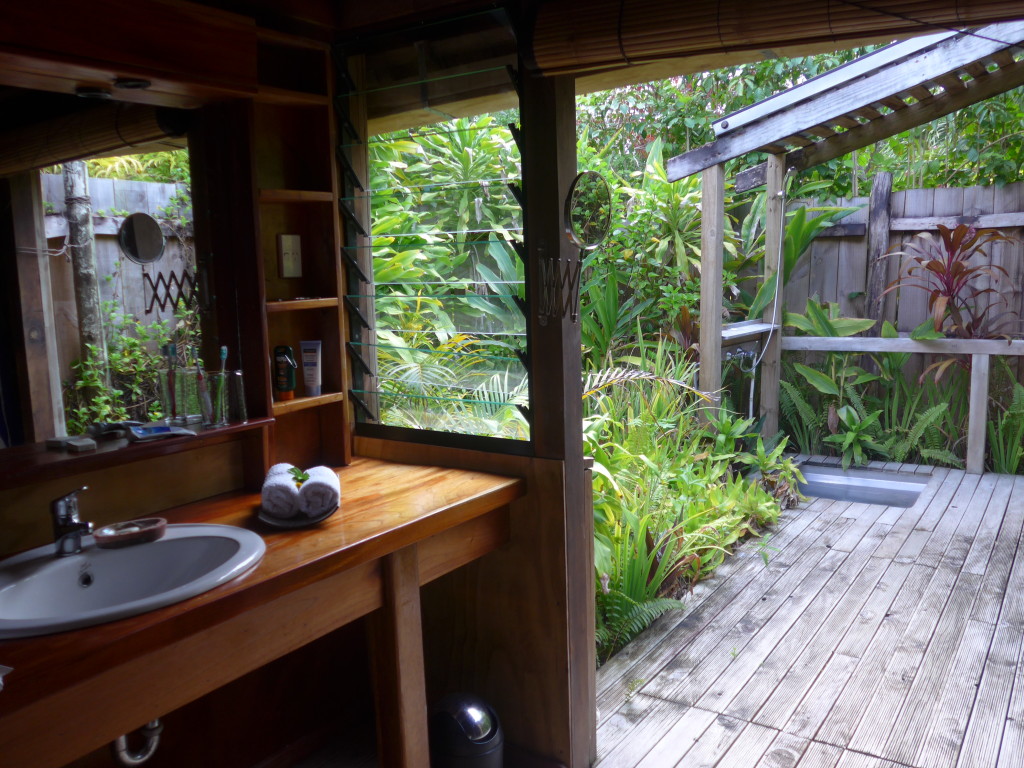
(124, 335)
(588, 210)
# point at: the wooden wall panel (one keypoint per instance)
(191, 53)
(275, 715)
(498, 627)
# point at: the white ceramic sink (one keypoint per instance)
(41, 593)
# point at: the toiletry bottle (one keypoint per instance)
(284, 372)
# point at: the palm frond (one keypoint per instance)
(597, 381)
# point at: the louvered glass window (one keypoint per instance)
(448, 335)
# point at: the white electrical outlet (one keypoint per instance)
(289, 255)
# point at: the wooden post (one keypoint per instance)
(42, 369)
(771, 360)
(400, 679)
(548, 110)
(978, 415)
(712, 238)
(879, 214)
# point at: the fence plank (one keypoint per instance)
(982, 221)
(877, 245)
(979, 201)
(912, 303)
(852, 264)
(824, 274)
(893, 263)
(1010, 256)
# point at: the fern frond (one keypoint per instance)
(803, 408)
(942, 456)
(621, 617)
(926, 421)
(1017, 403)
(929, 418)
(855, 399)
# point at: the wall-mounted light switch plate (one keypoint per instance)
(289, 255)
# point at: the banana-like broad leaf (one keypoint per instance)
(818, 380)
(765, 293)
(850, 326)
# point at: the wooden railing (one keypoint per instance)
(980, 351)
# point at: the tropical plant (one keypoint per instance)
(607, 316)
(166, 167)
(834, 377)
(655, 464)
(857, 435)
(777, 475)
(629, 594)
(800, 232)
(941, 267)
(800, 419)
(1006, 434)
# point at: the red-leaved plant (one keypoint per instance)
(941, 267)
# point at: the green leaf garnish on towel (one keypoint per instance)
(300, 475)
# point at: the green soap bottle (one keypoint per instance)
(284, 372)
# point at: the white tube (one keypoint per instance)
(311, 366)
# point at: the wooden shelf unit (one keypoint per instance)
(298, 190)
(295, 196)
(283, 407)
(294, 305)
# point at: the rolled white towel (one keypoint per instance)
(280, 469)
(280, 496)
(321, 492)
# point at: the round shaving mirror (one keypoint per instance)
(141, 238)
(588, 210)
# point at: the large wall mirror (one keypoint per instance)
(108, 292)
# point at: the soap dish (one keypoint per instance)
(299, 521)
(130, 532)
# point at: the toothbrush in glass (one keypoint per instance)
(204, 393)
(221, 415)
(170, 352)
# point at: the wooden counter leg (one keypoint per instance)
(397, 642)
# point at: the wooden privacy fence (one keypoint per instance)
(851, 264)
(839, 265)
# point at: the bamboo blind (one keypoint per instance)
(95, 131)
(572, 37)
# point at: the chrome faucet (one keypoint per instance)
(67, 528)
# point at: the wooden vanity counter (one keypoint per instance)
(399, 526)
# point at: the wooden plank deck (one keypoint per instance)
(875, 637)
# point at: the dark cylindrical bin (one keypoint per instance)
(465, 733)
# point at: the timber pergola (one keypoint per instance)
(876, 96)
